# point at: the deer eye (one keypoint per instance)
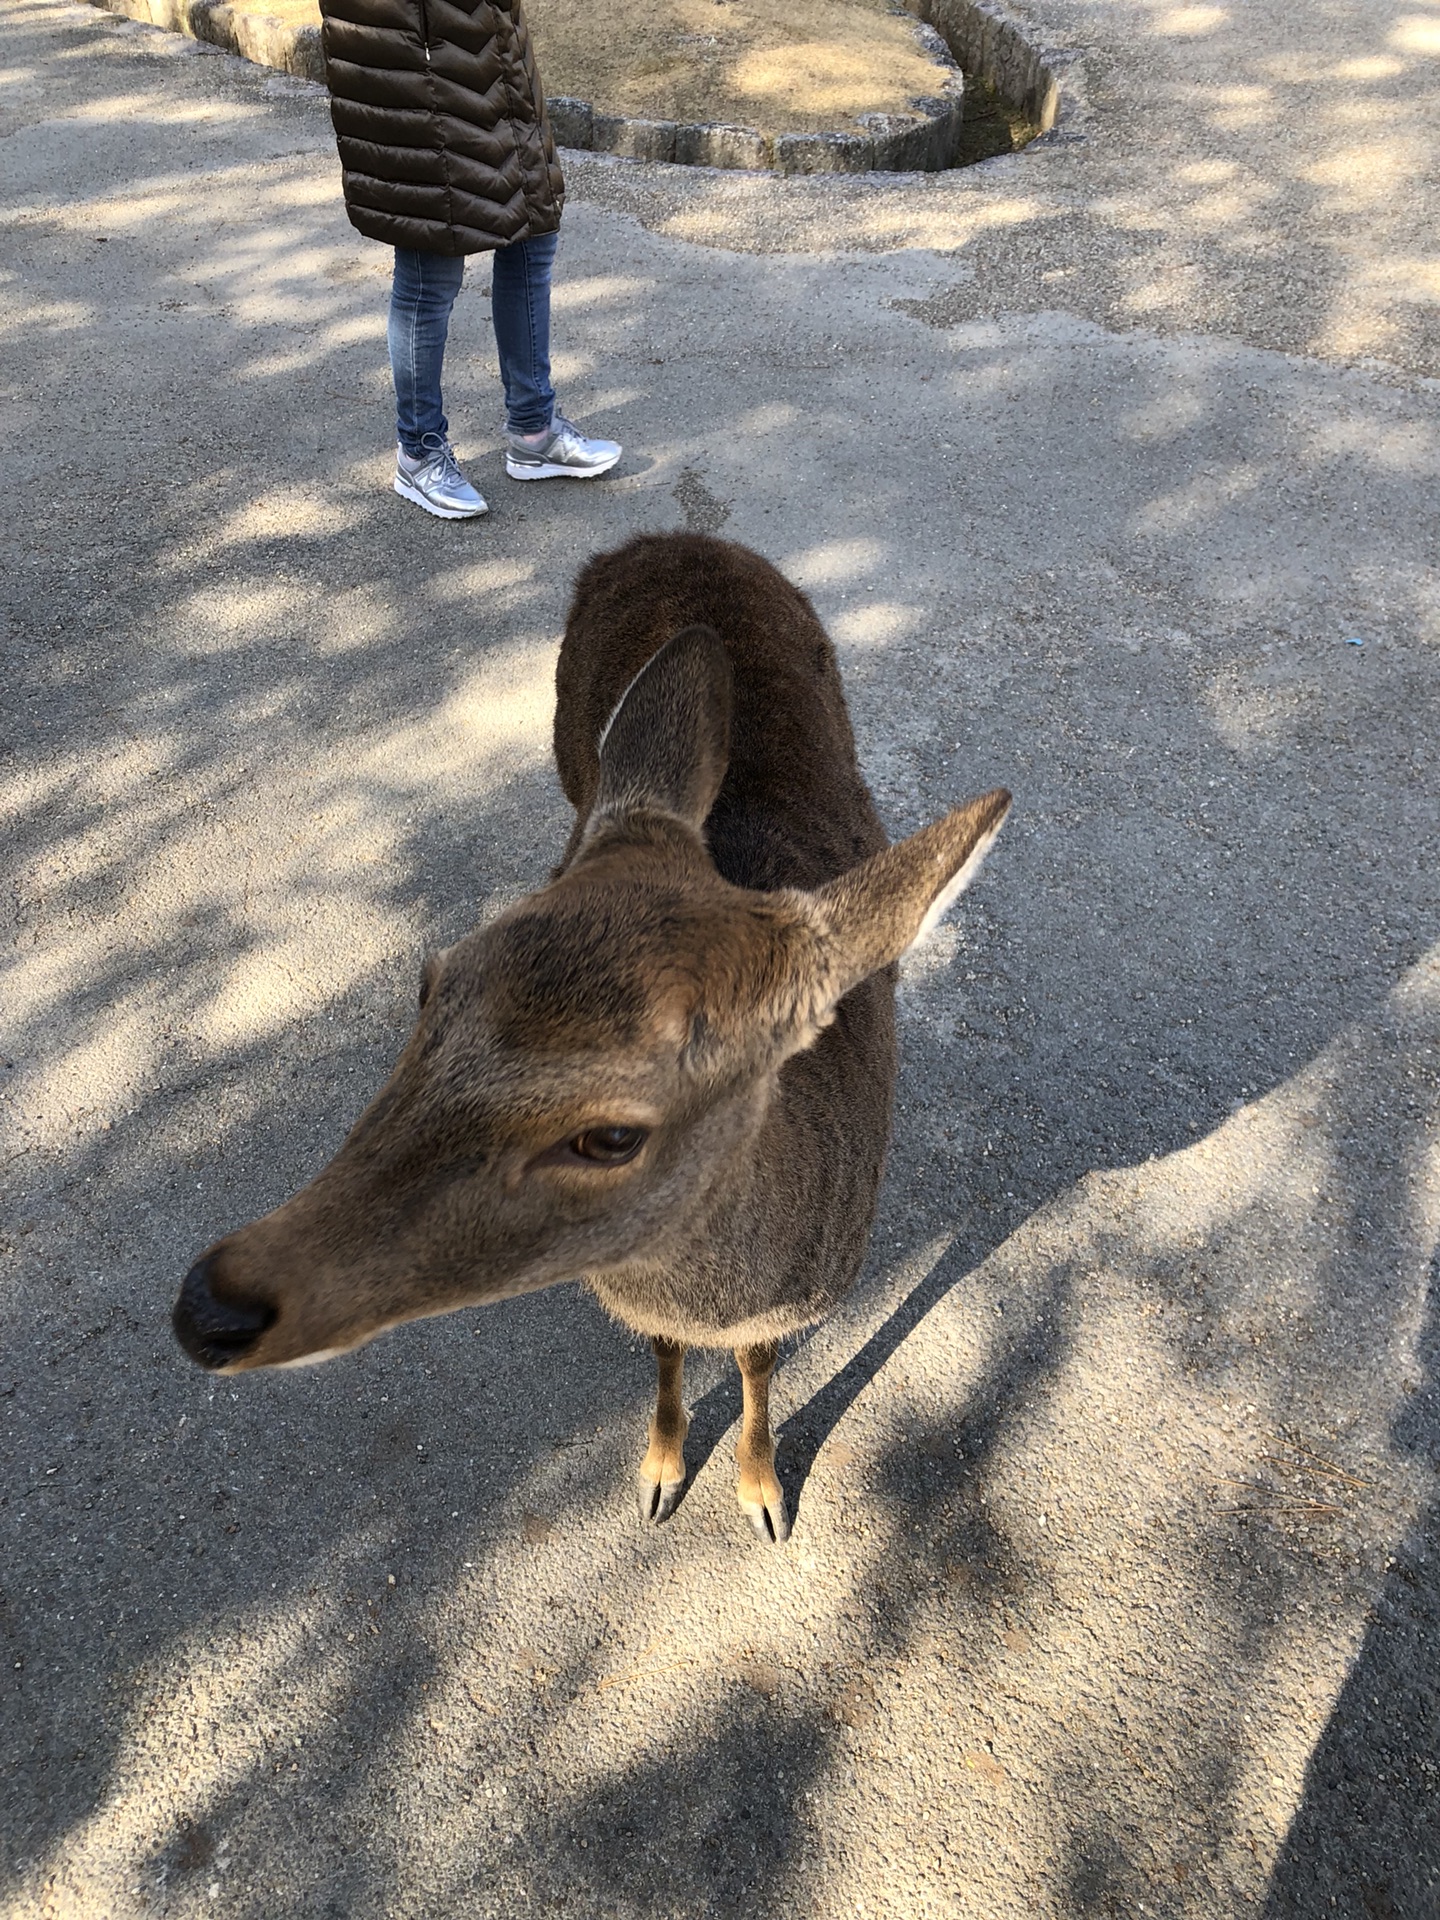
(608, 1146)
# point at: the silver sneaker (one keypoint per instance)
(433, 480)
(566, 455)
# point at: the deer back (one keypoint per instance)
(793, 809)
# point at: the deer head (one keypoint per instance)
(585, 1070)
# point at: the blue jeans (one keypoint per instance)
(423, 293)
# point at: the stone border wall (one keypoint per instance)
(255, 36)
(976, 35)
(1044, 83)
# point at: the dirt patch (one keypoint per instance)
(776, 65)
(779, 66)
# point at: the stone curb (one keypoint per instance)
(255, 36)
(976, 35)
(1047, 84)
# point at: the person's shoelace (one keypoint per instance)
(440, 463)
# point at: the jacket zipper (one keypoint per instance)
(425, 30)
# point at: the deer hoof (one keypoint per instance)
(659, 1499)
(769, 1519)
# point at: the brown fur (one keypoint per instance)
(711, 968)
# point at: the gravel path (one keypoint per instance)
(1115, 1581)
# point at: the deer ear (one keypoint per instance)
(880, 909)
(667, 744)
(809, 949)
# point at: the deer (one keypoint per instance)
(669, 1072)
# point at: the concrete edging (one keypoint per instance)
(254, 36)
(977, 36)
(1045, 83)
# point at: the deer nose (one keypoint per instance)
(213, 1331)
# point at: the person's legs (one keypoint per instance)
(421, 297)
(520, 308)
(426, 471)
(540, 443)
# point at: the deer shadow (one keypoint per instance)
(801, 1435)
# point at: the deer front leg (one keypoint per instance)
(662, 1472)
(761, 1498)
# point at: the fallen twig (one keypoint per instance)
(639, 1673)
(1328, 1466)
(1294, 1506)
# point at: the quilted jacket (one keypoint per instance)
(438, 110)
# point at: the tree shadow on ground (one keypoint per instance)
(1360, 1845)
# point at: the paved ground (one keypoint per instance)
(1115, 1583)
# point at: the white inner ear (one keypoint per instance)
(956, 885)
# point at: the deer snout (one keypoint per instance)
(216, 1332)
